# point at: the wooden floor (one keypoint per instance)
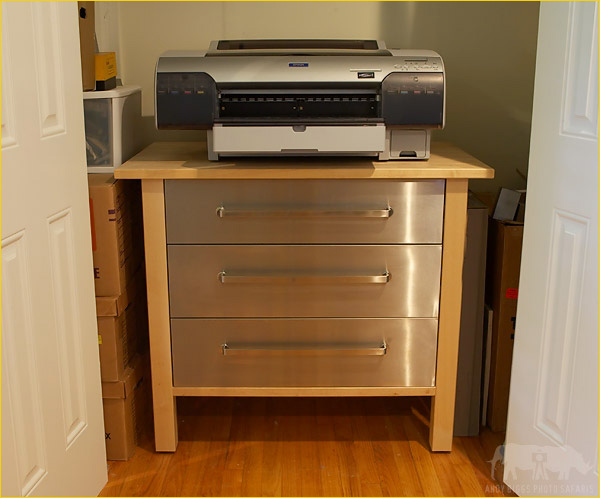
(306, 447)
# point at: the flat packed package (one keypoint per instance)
(117, 233)
(127, 405)
(502, 289)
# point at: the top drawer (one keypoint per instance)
(304, 211)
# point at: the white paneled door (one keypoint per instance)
(552, 435)
(52, 427)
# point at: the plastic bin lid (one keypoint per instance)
(120, 91)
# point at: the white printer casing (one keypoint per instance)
(304, 97)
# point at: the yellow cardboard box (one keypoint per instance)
(106, 70)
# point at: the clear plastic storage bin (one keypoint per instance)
(112, 127)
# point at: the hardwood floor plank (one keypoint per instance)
(383, 441)
(238, 442)
(421, 456)
(251, 480)
(290, 452)
(271, 472)
(177, 473)
(409, 477)
(307, 433)
(363, 449)
(446, 475)
(454, 468)
(219, 424)
(481, 467)
(306, 447)
(328, 449)
(231, 484)
(184, 474)
(146, 476)
(116, 471)
(310, 483)
(343, 432)
(464, 471)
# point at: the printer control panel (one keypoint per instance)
(419, 64)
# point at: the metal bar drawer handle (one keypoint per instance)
(377, 351)
(226, 278)
(305, 213)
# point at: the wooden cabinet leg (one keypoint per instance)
(165, 413)
(455, 226)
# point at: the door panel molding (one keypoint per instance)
(65, 294)
(561, 323)
(580, 97)
(8, 114)
(19, 363)
(48, 65)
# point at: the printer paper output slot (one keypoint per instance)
(310, 104)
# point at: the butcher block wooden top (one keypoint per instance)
(189, 160)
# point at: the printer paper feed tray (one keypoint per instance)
(298, 139)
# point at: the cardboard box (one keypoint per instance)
(106, 70)
(127, 405)
(87, 44)
(502, 288)
(122, 336)
(116, 305)
(470, 352)
(117, 233)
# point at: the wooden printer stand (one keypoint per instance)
(304, 277)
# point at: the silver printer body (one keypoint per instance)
(304, 97)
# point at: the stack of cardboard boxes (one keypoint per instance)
(505, 240)
(117, 243)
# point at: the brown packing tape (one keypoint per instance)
(116, 305)
(114, 390)
(133, 374)
(122, 338)
(112, 305)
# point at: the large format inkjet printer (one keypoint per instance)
(304, 97)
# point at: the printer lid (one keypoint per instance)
(297, 47)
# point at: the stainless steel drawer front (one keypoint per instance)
(304, 352)
(304, 281)
(304, 211)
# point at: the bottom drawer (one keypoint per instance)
(308, 352)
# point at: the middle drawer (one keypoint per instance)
(304, 281)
